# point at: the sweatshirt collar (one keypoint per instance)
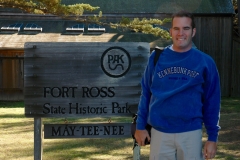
(171, 51)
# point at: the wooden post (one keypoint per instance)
(136, 150)
(38, 132)
(238, 4)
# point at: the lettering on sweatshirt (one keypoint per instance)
(177, 70)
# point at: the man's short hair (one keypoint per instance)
(185, 14)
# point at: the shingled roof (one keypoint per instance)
(159, 6)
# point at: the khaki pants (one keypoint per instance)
(176, 146)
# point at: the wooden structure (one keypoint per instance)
(235, 83)
(73, 84)
(214, 37)
(11, 74)
(213, 23)
(83, 82)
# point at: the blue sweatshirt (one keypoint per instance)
(180, 93)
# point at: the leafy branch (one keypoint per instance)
(147, 26)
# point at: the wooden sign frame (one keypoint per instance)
(83, 79)
(69, 79)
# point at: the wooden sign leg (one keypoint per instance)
(38, 132)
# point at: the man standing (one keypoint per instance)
(179, 94)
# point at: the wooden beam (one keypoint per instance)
(238, 4)
(38, 149)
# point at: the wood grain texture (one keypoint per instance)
(83, 79)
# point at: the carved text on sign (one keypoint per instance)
(104, 130)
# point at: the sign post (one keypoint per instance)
(38, 132)
(82, 80)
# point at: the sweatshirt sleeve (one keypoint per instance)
(211, 102)
(143, 106)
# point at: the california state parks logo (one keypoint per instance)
(115, 62)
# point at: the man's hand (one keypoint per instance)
(141, 136)
(210, 150)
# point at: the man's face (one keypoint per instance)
(182, 33)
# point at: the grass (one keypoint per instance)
(12, 104)
(16, 140)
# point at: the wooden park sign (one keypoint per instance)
(83, 80)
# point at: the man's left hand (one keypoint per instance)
(210, 150)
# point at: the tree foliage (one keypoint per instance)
(47, 7)
(236, 24)
(75, 12)
(235, 7)
(148, 26)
